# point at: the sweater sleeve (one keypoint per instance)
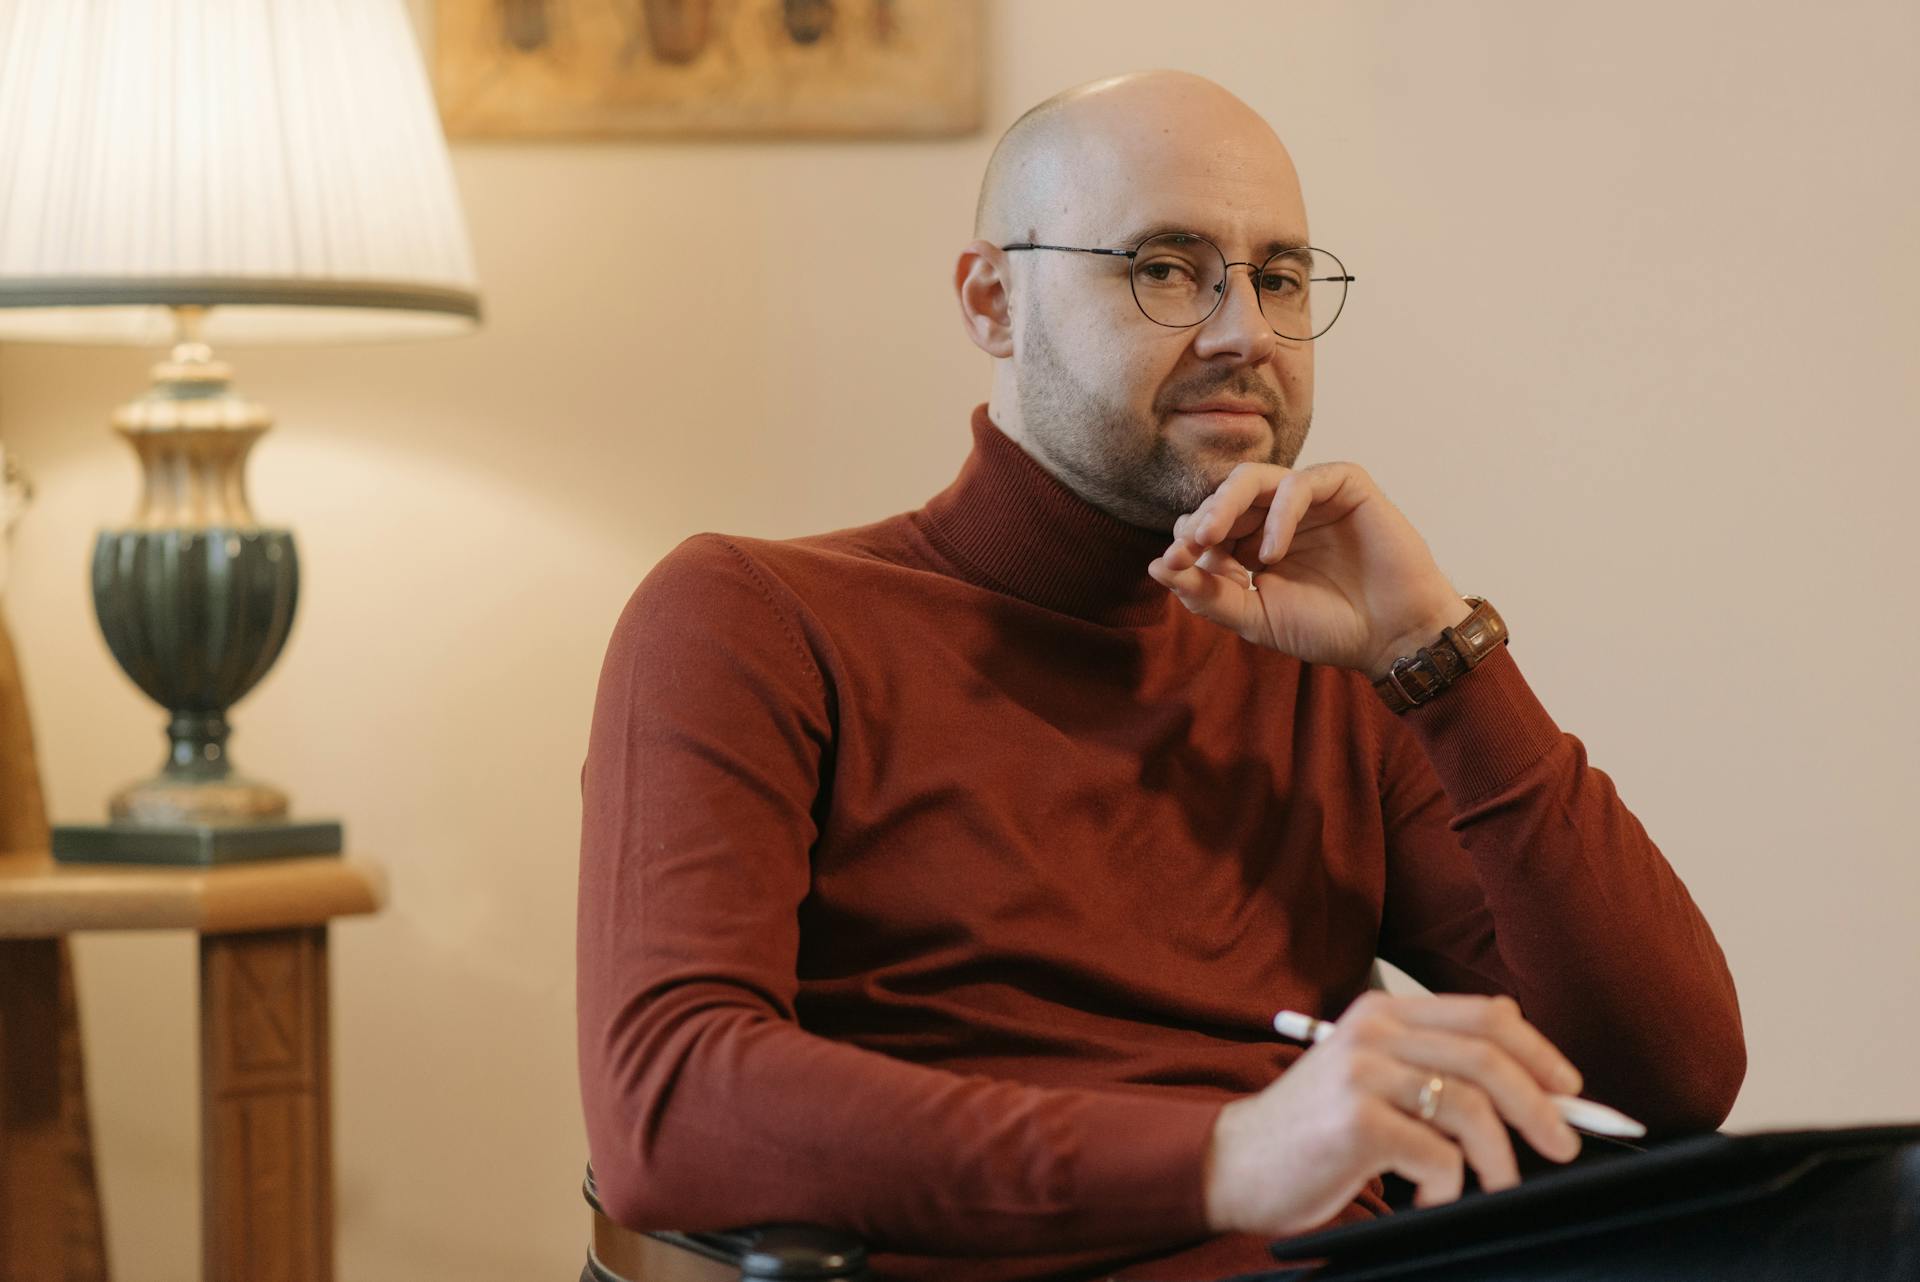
(707, 1105)
(1513, 867)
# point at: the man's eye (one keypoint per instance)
(1279, 283)
(1163, 273)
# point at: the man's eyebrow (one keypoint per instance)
(1138, 234)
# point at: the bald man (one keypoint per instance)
(941, 877)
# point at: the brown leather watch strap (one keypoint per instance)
(1417, 679)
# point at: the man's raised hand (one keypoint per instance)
(1314, 562)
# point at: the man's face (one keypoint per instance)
(1101, 388)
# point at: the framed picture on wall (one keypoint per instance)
(708, 68)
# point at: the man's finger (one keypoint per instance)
(1294, 495)
(1204, 593)
(1217, 560)
(1418, 1153)
(1468, 1115)
(1489, 1068)
(1214, 558)
(1237, 507)
(1461, 1110)
(1496, 1018)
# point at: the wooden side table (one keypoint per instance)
(266, 1155)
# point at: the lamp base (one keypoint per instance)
(174, 797)
(194, 844)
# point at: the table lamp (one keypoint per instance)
(193, 172)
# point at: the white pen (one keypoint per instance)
(1583, 1113)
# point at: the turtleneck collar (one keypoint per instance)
(1011, 525)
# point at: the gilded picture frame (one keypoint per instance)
(708, 68)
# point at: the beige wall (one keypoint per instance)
(1632, 344)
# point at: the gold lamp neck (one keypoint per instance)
(190, 370)
(192, 433)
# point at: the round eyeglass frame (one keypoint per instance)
(1220, 296)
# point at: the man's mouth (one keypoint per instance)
(1224, 407)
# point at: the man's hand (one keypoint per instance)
(1338, 576)
(1289, 1158)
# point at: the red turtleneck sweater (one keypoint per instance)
(939, 879)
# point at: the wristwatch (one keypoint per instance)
(1416, 679)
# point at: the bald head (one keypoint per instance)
(1120, 405)
(1069, 155)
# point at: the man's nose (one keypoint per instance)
(1238, 326)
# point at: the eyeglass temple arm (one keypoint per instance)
(1073, 249)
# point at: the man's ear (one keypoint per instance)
(980, 283)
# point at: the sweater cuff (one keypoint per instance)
(1483, 730)
(1143, 1164)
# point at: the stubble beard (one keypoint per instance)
(1117, 459)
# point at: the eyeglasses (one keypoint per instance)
(1179, 279)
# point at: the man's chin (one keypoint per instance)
(1195, 476)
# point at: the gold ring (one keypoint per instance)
(1430, 1098)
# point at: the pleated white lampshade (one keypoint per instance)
(278, 160)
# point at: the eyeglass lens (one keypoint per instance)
(1179, 279)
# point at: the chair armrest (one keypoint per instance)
(779, 1251)
(761, 1251)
